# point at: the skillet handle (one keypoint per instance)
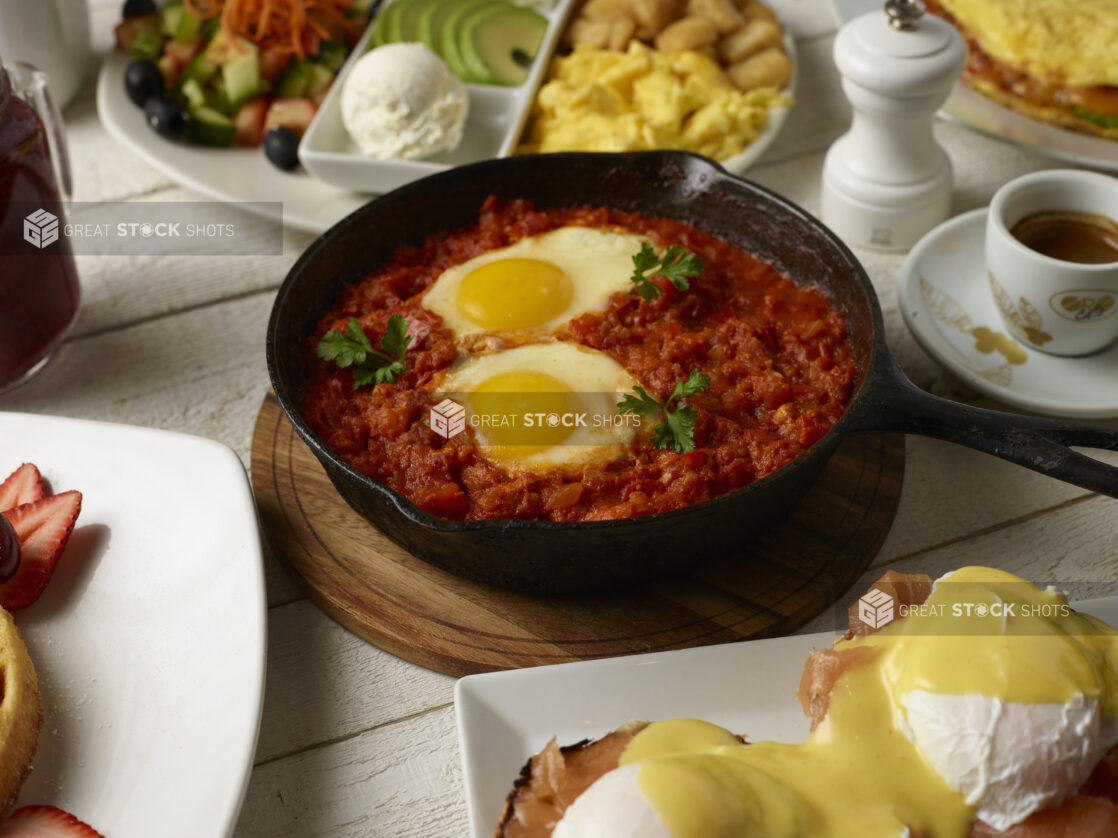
(894, 403)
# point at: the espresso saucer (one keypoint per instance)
(946, 301)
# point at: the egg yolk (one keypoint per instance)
(514, 294)
(514, 409)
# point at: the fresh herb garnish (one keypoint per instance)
(676, 430)
(352, 348)
(676, 267)
(1098, 118)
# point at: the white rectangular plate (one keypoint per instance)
(149, 641)
(505, 717)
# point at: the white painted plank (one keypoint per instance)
(325, 683)
(398, 781)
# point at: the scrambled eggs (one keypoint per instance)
(601, 100)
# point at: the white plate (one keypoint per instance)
(505, 717)
(150, 640)
(975, 110)
(496, 121)
(945, 295)
(227, 174)
(313, 205)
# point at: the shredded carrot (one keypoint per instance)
(280, 24)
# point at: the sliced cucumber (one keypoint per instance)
(208, 127)
(193, 93)
(147, 46)
(199, 68)
(292, 83)
(169, 18)
(189, 28)
(241, 77)
(319, 81)
(331, 55)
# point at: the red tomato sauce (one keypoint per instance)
(780, 366)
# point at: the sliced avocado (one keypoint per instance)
(448, 36)
(169, 18)
(189, 28)
(498, 44)
(208, 127)
(407, 27)
(384, 24)
(431, 20)
(241, 77)
(292, 83)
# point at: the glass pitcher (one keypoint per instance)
(39, 289)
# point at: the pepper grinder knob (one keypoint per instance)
(886, 181)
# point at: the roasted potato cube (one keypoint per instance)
(621, 31)
(750, 39)
(687, 33)
(607, 9)
(722, 13)
(758, 11)
(586, 31)
(770, 67)
(652, 16)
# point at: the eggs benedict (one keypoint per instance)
(974, 707)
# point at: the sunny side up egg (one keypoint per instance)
(537, 284)
(544, 406)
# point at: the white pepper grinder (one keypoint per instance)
(887, 181)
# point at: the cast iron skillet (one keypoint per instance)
(551, 557)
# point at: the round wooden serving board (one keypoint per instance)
(425, 615)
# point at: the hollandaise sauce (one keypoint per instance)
(982, 633)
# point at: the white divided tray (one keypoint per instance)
(497, 117)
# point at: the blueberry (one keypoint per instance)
(166, 116)
(282, 147)
(9, 550)
(137, 7)
(142, 80)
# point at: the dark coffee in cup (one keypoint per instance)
(1069, 235)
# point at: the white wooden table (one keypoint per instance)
(356, 742)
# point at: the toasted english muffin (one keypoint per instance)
(21, 712)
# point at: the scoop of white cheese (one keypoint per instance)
(400, 101)
(1009, 759)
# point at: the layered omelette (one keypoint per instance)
(1052, 60)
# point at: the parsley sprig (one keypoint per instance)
(352, 348)
(677, 266)
(676, 431)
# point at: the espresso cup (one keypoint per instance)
(1055, 305)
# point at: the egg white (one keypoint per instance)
(593, 383)
(599, 263)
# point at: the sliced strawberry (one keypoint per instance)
(23, 485)
(295, 114)
(250, 122)
(45, 822)
(43, 527)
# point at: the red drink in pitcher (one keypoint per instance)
(39, 289)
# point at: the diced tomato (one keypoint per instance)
(127, 30)
(273, 61)
(309, 41)
(250, 122)
(295, 114)
(181, 53)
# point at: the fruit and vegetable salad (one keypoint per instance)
(237, 72)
